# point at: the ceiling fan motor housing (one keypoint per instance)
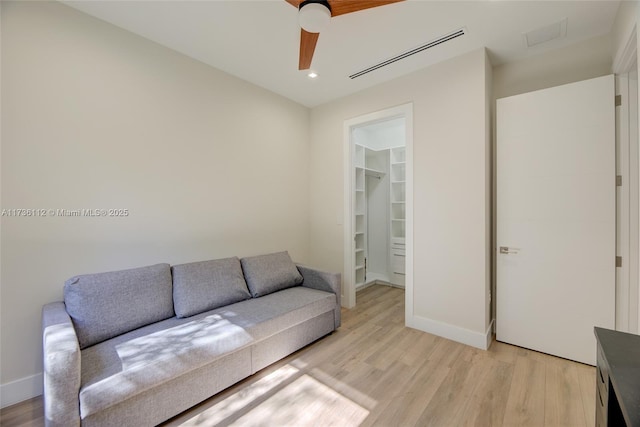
(314, 15)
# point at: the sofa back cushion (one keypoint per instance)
(106, 305)
(266, 274)
(203, 286)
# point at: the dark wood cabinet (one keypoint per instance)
(617, 379)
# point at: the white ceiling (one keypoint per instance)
(257, 40)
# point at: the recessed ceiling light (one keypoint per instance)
(312, 75)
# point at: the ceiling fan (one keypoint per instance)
(314, 15)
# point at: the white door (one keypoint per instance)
(556, 218)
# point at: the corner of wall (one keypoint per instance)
(455, 333)
(623, 27)
(489, 209)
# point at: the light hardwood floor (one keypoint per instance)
(375, 372)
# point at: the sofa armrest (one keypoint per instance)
(61, 352)
(324, 281)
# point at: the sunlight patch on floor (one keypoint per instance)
(229, 407)
(304, 402)
(287, 397)
(343, 388)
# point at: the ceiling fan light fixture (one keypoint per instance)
(314, 15)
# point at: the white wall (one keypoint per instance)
(451, 189)
(95, 117)
(626, 19)
(588, 59)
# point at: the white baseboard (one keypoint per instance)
(378, 282)
(455, 333)
(19, 390)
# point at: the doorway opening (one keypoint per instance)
(378, 201)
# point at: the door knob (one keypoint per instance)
(507, 250)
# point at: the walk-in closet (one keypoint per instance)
(379, 210)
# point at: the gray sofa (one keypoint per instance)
(137, 347)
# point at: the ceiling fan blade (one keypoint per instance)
(294, 3)
(341, 7)
(307, 47)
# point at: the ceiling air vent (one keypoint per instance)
(545, 34)
(443, 39)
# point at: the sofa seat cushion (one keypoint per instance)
(266, 316)
(129, 364)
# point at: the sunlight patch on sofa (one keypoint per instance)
(211, 336)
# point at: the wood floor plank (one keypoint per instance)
(504, 352)
(374, 371)
(422, 345)
(563, 399)
(29, 413)
(390, 393)
(406, 408)
(449, 403)
(391, 349)
(525, 405)
(486, 406)
(587, 378)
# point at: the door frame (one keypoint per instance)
(348, 277)
(628, 275)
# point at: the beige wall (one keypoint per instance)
(95, 117)
(626, 19)
(451, 188)
(580, 61)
